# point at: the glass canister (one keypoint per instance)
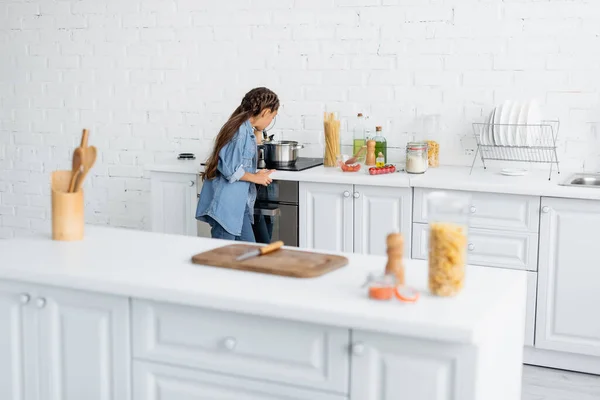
(332, 145)
(416, 157)
(380, 143)
(448, 237)
(433, 152)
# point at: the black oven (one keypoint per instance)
(276, 213)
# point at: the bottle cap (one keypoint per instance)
(378, 129)
(359, 115)
(380, 154)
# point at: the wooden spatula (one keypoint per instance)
(78, 160)
(90, 158)
(352, 160)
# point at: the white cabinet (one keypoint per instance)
(326, 216)
(267, 349)
(490, 210)
(162, 382)
(64, 344)
(379, 211)
(17, 344)
(174, 201)
(353, 218)
(569, 277)
(489, 248)
(391, 368)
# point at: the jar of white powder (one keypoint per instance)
(416, 157)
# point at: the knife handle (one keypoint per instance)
(271, 247)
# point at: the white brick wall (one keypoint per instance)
(153, 78)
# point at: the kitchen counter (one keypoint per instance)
(165, 324)
(535, 183)
(157, 266)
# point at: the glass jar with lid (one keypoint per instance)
(448, 236)
(416, 157)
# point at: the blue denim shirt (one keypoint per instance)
(225, 198)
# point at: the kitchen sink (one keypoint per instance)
(582, 180)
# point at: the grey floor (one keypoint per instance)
(552, 384)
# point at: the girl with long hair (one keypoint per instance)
(230, 176)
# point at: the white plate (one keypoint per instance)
(496, 128)
(535, 118)
(514, 171)
(504, 120)
(523, 135)
(490, 130)
(513, 139)
(484, 136)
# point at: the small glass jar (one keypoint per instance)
(448, 237)
(416, 157)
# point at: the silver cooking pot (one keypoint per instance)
(281, 153)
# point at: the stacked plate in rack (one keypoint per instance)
(513, 123)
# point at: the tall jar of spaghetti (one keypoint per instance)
(448, 216)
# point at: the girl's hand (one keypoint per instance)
(262, 177)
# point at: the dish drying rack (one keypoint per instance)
(532, 143)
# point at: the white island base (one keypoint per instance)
(125, 315)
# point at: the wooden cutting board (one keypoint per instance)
(284, 262)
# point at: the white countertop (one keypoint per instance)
(535, 183)
(157, 266)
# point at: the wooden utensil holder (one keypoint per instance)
(67, 209)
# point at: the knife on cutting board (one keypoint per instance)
(261, 251)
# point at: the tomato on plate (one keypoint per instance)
(349, 168)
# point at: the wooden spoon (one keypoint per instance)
(90, 158)
(352, 160)
(78, 160)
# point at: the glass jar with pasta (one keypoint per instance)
(448, 233)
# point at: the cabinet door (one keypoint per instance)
(18, 356)
(326, 216)
(162, 382)
(489, 248)
(568, 277)
(85, 345)
(174, 200)
(392, 368)
(379, 211)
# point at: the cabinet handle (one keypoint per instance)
(346, 194)
(24, 298)
(358, 349)
(545, 209)
(230, 343)
(473, 209)
(356, 195)
(40, 302)
(192, 183)
(471, 247)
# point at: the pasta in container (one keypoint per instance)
(448, 242)
(332, 148)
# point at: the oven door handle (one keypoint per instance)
(269, 212)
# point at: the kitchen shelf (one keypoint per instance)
(541, 146)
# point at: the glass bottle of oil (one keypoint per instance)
(360, 138)
(380, 160)
(380, 143)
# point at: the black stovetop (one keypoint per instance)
(302, 163)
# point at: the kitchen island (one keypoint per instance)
(124, 314)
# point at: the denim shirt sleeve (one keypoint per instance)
(231, 160)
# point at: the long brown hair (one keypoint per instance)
(253, 103)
